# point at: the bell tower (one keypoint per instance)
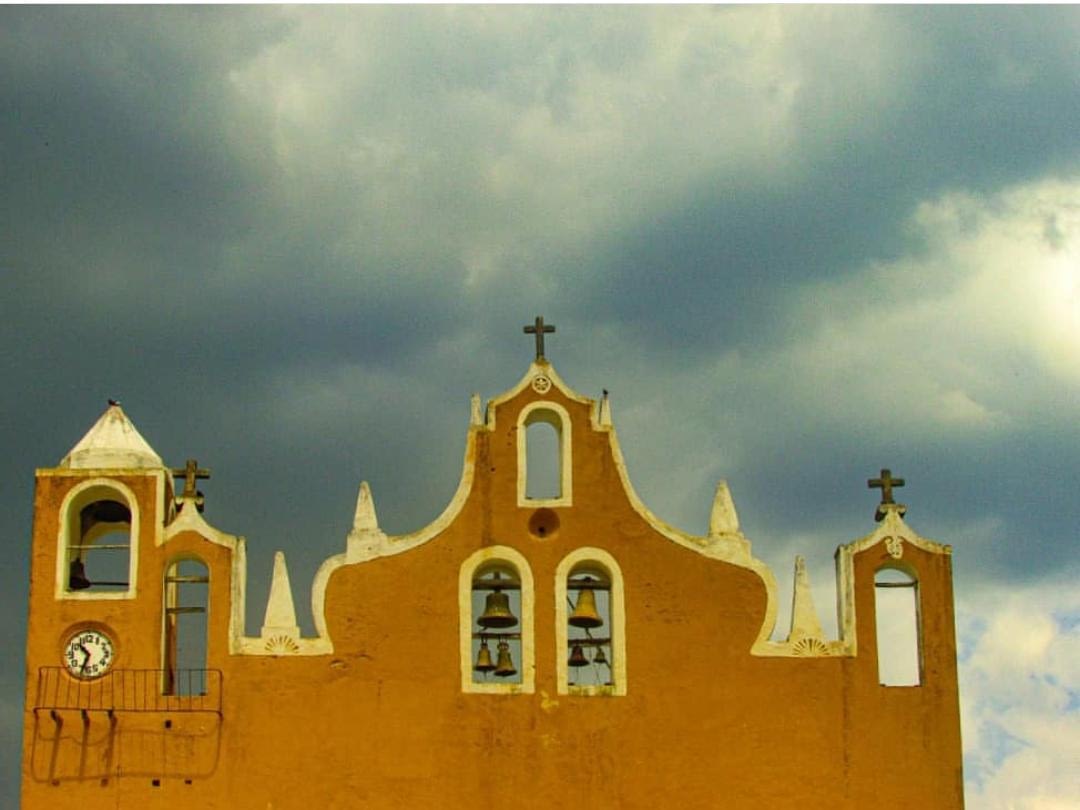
(105, 657)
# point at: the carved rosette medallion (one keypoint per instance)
(895, 546)
(541, 383)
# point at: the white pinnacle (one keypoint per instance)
(365, 518)
(280, 617)
(804, 617)
(724, 519)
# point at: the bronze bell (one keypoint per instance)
(77, 580)
(497, 611)
(483, 659)
(505, 667)
(585, 614)
(577, 656)
(599, 657)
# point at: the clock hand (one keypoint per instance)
(86, 661)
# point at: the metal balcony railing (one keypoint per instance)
(131, 690)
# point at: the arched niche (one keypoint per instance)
(535, 422)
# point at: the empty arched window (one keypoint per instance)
(496, 604)
(896, 607)
(542, 466)
(590, 625)
(544, 460)
(187, 601)
(98, 529)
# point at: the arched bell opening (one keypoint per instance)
(185, 636)
(496, 624)
(898, 627)
(496, 603)
(590, 624)
(97, 537)
(589, 654)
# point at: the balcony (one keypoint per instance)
(130, 690)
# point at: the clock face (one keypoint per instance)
(88, 654)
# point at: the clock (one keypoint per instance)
(88, 654)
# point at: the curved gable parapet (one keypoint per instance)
(724, 541)
(725, 544)
(366, 541)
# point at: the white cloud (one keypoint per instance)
(1020, 696)
(967, 332)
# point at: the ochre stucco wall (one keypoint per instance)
(382, 721)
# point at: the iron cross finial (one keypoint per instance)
(191, 473)
(539, 329)
(885, 483)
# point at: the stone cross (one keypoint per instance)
(886, 483)
(539, 329)
(190, 473)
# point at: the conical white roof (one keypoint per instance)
(113, 442)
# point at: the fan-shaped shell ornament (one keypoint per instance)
(810, 647)
(282, 645)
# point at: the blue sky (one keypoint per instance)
(797, 244)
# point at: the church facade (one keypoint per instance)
(555, 646)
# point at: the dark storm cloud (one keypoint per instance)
(101, 109)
